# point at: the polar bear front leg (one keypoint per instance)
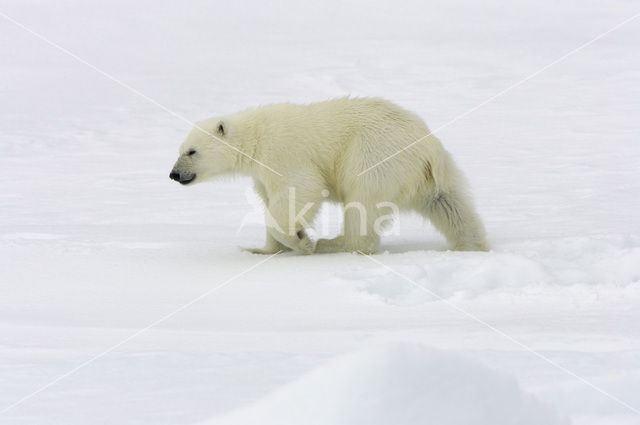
(299, 241)
(271, 246)
(287, 219)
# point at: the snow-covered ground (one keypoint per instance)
(104, 261)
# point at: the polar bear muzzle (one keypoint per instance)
(182, 177)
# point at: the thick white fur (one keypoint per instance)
(323, 147)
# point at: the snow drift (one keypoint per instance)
(397, 383)
(543, 266)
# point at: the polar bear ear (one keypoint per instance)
(221, 129)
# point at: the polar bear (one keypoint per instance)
(361, 152)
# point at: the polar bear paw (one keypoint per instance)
(263, 251)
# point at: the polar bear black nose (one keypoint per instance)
(174, 176)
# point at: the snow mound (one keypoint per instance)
(551, 263)
(397, 384)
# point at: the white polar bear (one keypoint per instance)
(362, 152)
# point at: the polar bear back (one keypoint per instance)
(340, 138)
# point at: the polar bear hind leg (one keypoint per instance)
(453, 215)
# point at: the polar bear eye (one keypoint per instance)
(191, 152)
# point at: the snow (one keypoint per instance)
(397, 384)
(98, 246)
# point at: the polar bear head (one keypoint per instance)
(206, 153)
